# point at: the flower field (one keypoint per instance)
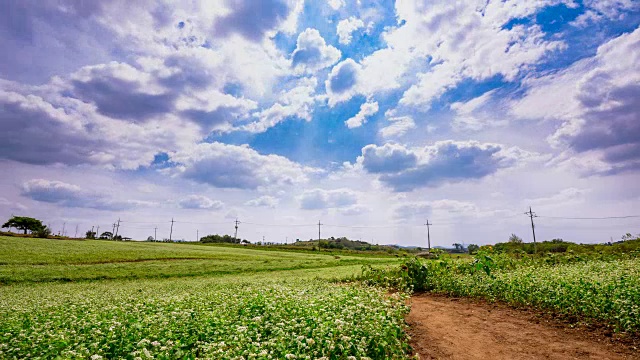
(594, 291)
(258, 308)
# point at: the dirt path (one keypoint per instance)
(449, 328)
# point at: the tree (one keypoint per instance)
(24, 223)
(150, 238)
(473, 248)
(106, 235)
(90, 234)
(515, 239)
(42, 232)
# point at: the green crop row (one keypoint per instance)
(243, 318)
(592, 291)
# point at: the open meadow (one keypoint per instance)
(100, 299)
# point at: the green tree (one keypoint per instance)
(24, 223)
(473, 249)
(106, 235)
(42, 232)
(515, 239)
(90, 234)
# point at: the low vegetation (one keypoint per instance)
(598, 285)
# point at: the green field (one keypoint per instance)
(165, 301)
(43, 260)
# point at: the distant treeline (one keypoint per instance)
(628, 244)
(222, 239)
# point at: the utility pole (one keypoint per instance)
(76, 234)
(98, 231)
(319, 224)
(171, 231)
(286, 240)
(235, 235)
(197, 235)
(263, 244)
(428, 235)
(92, 230)
(113, 230)
(531, 215)
(155, 233)
(63, 226)
(117, 229)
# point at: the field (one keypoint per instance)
(43, 260)
(601, 290)
(152, 300)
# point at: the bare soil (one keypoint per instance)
(455, 328)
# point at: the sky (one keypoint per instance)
(369, 117)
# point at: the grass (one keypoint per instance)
(166, 301)
(43, 260)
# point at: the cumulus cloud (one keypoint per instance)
(200, 202)
(263, 201)
(387, 158)
(599, 109)
(336, 4)
(69, 195)
(231, 166)
(295, 103)
(346, 27)
(252, 19)
(312, 53)
(367, 109)
(323, 199)
(340, 83)
(406, 169)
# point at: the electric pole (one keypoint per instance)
(428, 235)
(171, 231)
(63, 226)
(76, 234)
(155, 233)
(98, 231)
(117, 229)
(92, 230)
(531, 215)
(197, 235)
(235, 235)
(319, 224)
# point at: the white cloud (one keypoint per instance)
(263, 201)
(312, 53)
(571, 194)
(405, 169)
(200, 202)
(596, 101)
(367, 109)
(336, 4)
(323, 199)
(69, 195)
(346, 27)
(399, 126)
(297, 102)
(231, 166)
(342, 80)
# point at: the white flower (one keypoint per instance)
(290, 356)
(96, 357)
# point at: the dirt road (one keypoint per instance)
(449, 328)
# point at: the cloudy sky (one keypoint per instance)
(369, 116)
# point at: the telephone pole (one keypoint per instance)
(171, 231)
(197, 235)
(428, 234)
(319, 224)
(97, 231)
(92, 230)
(531, 215)
(235, 235)
(76, 235)
(155, 233)
(117, 229)
(63, 226)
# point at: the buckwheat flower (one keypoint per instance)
(96, 357)
(290, 356)
(311, 342)
(155, 343)
(351, 358)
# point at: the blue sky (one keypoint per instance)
(370, 116)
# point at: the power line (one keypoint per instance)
(590, 218)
